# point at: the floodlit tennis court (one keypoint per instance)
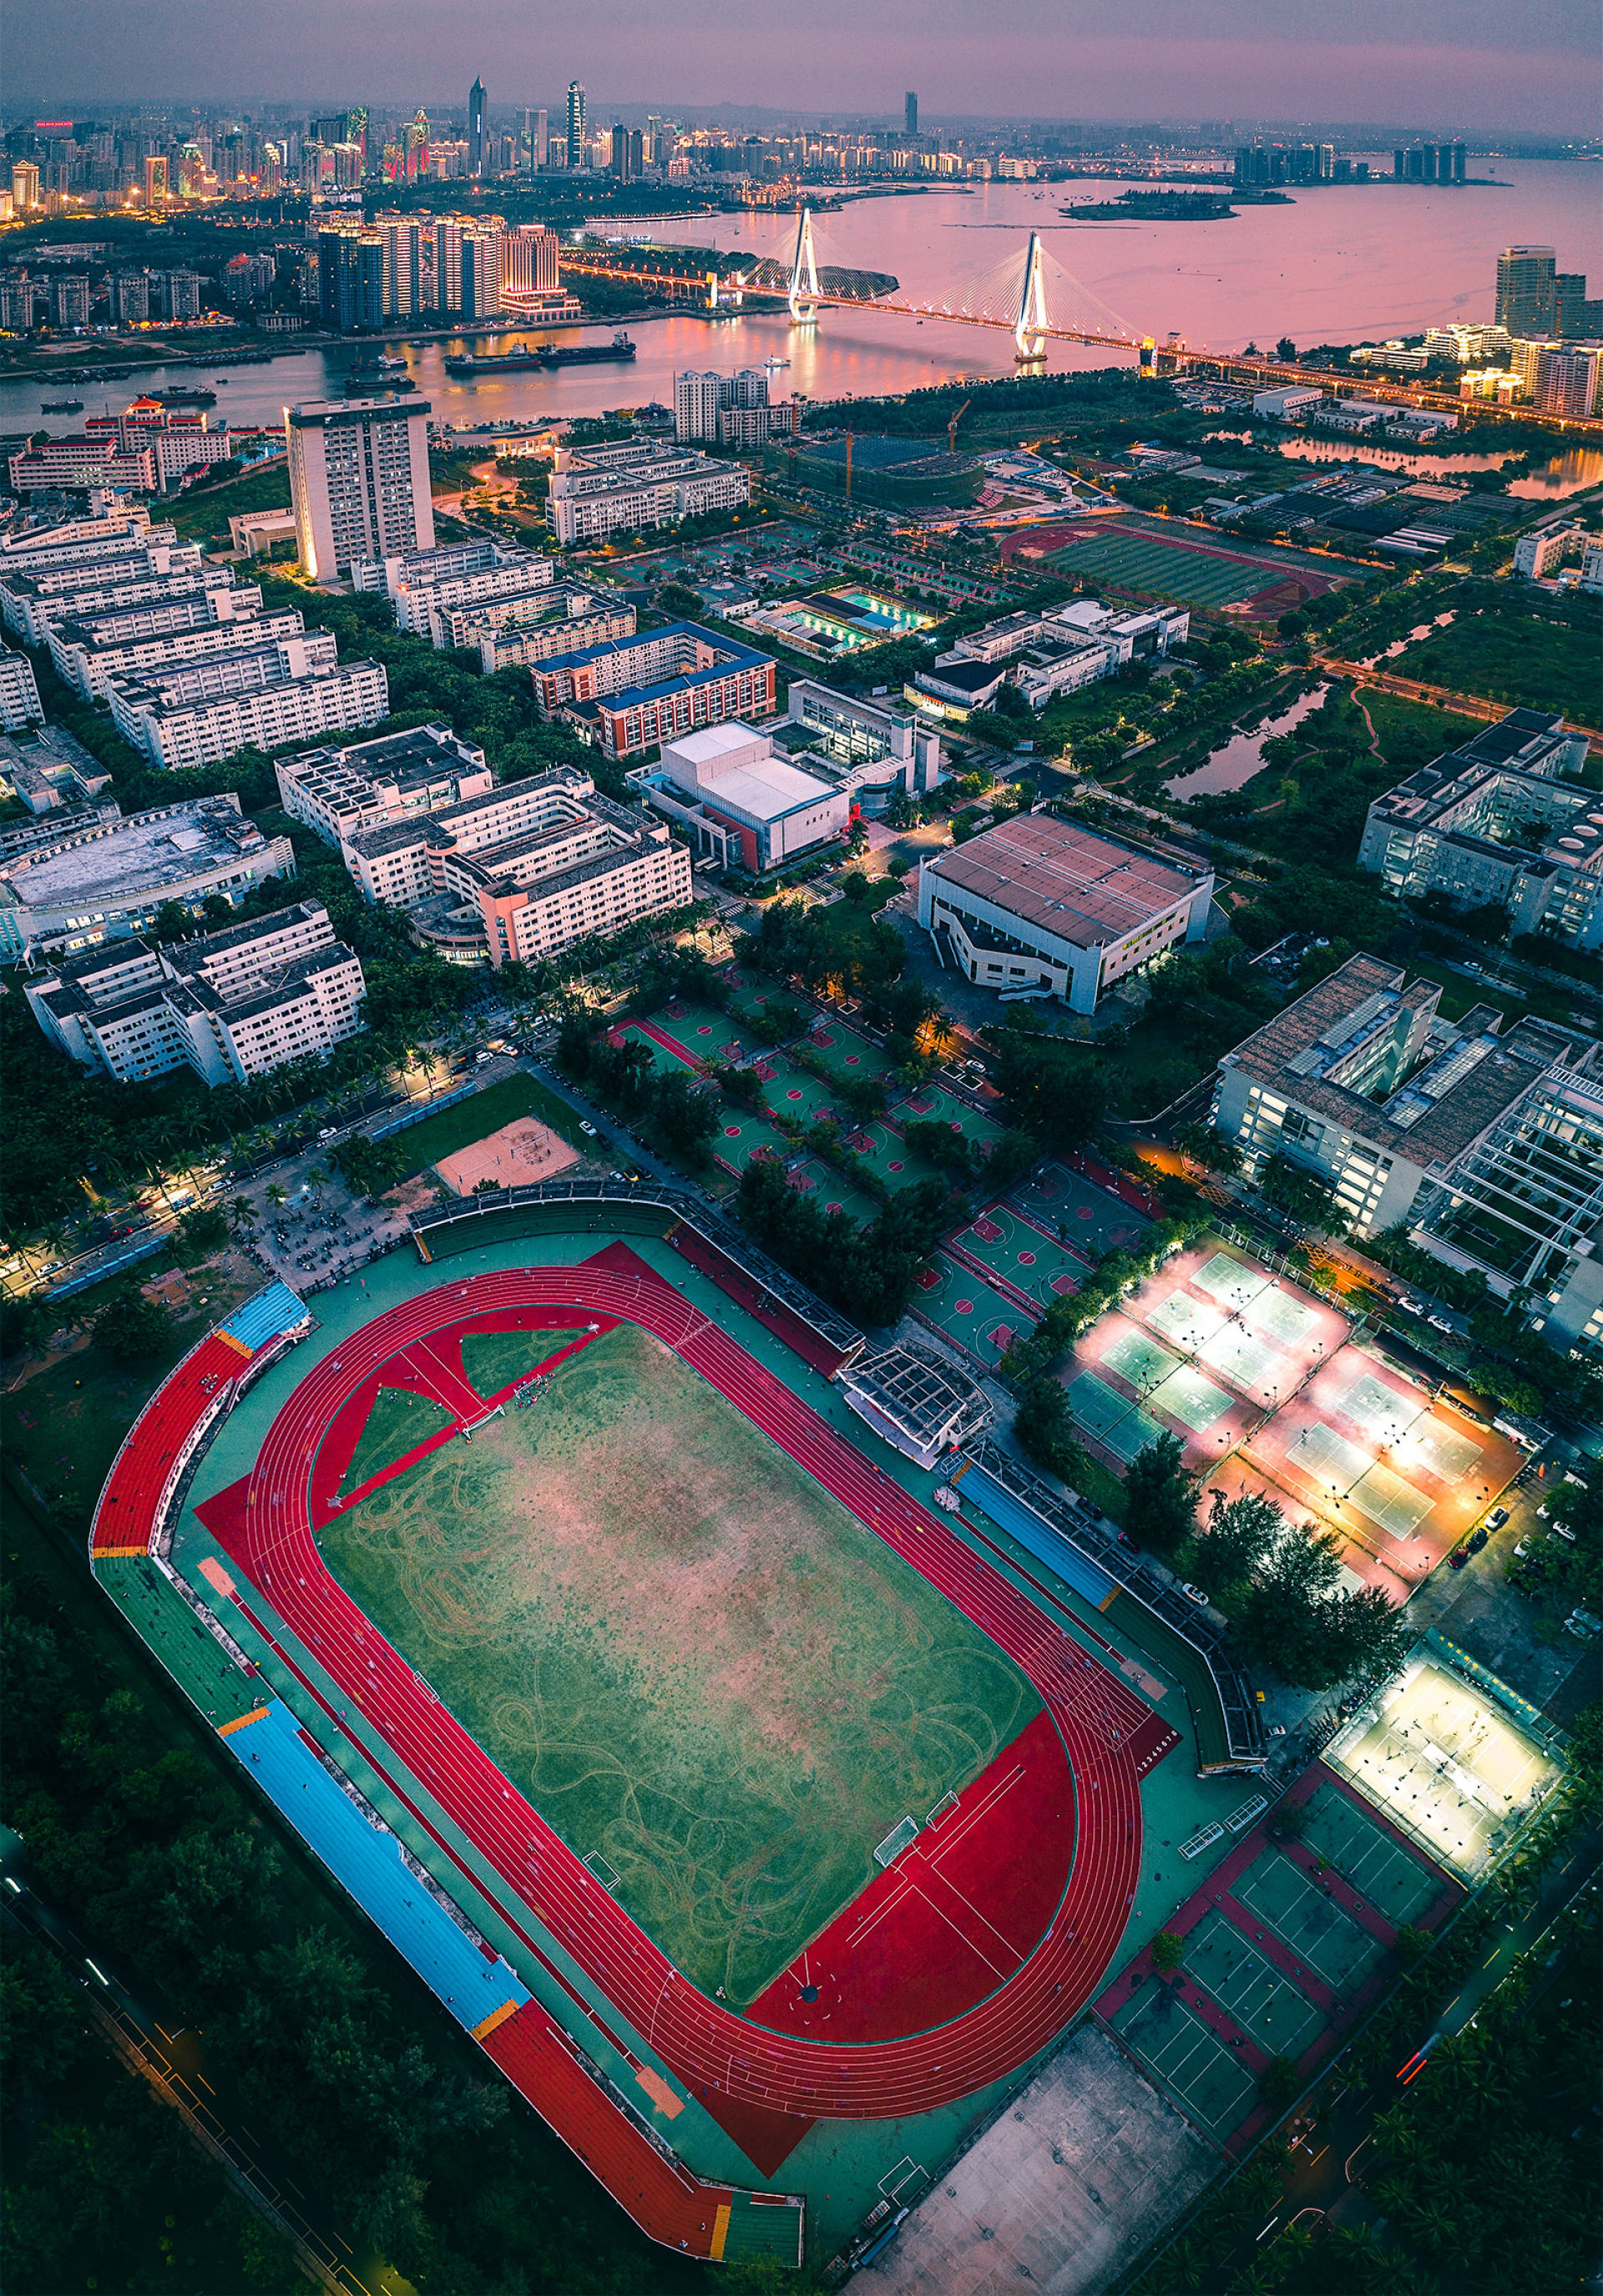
(1279, 1316)
(1379, 1868)
(1192, 1399)
(1204, 2073)
(1294, 1905)
(1139, 1360)
(1386, 1500)
(1447, 1764)
(1265, 2004)
(1256, 1366)
(1381, 1413)
(1231, 1282)
(979, 1319)
(1328, 1458)
(1007, 1244)
(1187, 1322)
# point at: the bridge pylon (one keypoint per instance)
(1029, 328)
(803, 297)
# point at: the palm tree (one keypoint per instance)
(276, 1195)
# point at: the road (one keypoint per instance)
(185, 2074)
(1323, 2169)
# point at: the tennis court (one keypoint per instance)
(1159, 569)
(979, 1319)
(1120, 1426)
(1256, 1366)
(1078, 1211)
(1445, 1764)
(1265, 2005)
(1382, 1413)
(1204, 2073)
(1379, 1868)
(1189, 1323)
(1139, 1359)
(1194, 1401)
(1232, 1282)
(1020, 1255)
(1295, 1907)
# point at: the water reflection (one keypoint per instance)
(1242, 756)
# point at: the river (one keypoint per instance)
(1235, 763)
(1337, 264)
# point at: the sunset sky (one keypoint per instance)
(1476, 65)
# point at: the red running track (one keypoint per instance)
(711, 2048)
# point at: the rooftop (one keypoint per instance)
(141, 854)
(1064, 880)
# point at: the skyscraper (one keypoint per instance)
(577, 157)
(1528, 290)
(358, 482)
(911, 103)
(476, 130)
(621, 149)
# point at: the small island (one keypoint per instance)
(1172, 207)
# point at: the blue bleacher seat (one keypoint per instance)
(276, 1309)
(980, 1489)
(368, 1864)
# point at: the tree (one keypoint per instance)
(1168, 1951)
(1240, 1533)
(685, 1114)
(1043, 1428)
(1279, 2083)
(1160, 1497)
(1285, 350)
(1205, 1147)
(1410, 1944)
(132, 1326)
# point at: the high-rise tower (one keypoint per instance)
(576, 154)
(911, 103)
(476, 130)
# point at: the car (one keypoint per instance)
(1522, 1549)
(1193, 1594)
(1542, 1509)
(1478, 1540)
(1561, 1530)
(1438, 1322)
(1458, 1558)
(480, 1058)
(123, 1227)
(588, 1129)
(1497, 1517)
(328, 1132)
(1587, 1619)
(1573, 1626)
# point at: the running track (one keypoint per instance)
(711, 2048)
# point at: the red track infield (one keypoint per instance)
(720, 2056)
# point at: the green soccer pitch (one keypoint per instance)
(707, 1676)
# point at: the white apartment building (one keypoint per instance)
(515, 634)
(30, 602)
(1039, 903)
(20, 702)
(369, 784)
(358, 482)
(1542, 552)
(290, 692)
(149, 642)
(522, 872)
(105, 879)
(1487, 1145)
(595, 491)
(1501, 819)
(230, 1005)
(436, 608)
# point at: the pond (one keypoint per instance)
(1242, 756)
(1401, 646)
(1569, 474)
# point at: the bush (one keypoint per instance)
(133, 1327)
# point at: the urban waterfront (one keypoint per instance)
(1339, 264)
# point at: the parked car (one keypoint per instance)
(1497, 1517)
(1458, 1558)
(1193, 1594)
(1583, 1626)
(588, 1128)
(1561, 1530)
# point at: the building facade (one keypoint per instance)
(595, 491)
(230, 1005)
(1039, 903)
(358, 482)
(744, 803)
(1501, 820)
(626, 693)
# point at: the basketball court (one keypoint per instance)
(741, 1136)
(1079, 1213)
(1171, 2040)
(1446, 1765)
(832, 1190)
(701, 1030)
(666, 1056)
(1019, 1255)
(845, 1054)
(887, 1153)
(956, 1302)
(1294, 1907)
(933, 1104)
(791, 1091)
(1263, 2002)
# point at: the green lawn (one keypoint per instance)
(204, 513)
(494, 1359)
(398, 1420)
(467, 1120)
(1512, 655)
(706, 1674)
(1412, 734)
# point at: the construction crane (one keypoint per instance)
(951, 426)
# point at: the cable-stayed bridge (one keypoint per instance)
(1028, 294)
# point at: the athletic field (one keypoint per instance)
(1158, 569)
(708, 1679)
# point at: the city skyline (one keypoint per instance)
(1471, 66)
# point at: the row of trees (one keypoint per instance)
(157, 1851)
(866, 1269)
